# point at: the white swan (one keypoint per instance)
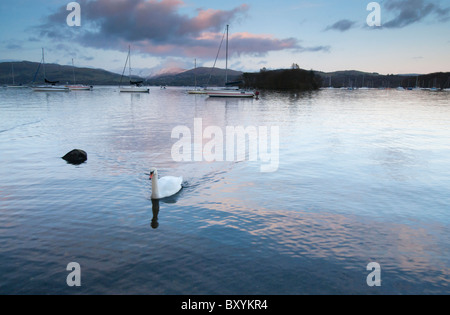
(165, 186)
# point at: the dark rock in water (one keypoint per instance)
(75, 157)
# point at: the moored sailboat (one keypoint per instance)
(330, 86)
(447, 86)
(78, 87)
(14, 85)
(135, 86)
(231, 93)
(229, 90)
(196, 90)
(50, 88)
(50, 85)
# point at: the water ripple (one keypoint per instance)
(363, 177)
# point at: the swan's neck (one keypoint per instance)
(155, 188)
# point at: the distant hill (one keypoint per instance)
(25, 71)
(353, 78)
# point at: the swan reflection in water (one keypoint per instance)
(156, 207)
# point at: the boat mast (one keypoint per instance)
(73, 70)
(226, 66)
(12, 69)
(129, 59)
(195, 73)
(43, 63)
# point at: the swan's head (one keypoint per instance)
(153, 172)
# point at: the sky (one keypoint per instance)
(325, 35)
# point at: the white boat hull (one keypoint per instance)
(197, 92)
(51, 89)
(17, 86)
(134, 90)
(79, 88)
(231, 93)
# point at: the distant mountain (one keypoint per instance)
(166, 72)
(25, 71)
(151, 72)
(204, 76)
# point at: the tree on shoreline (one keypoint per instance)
(283, 79)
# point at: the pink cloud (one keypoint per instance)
(158, 28)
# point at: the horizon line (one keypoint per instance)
(268, 69)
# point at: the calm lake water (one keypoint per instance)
(363, 177)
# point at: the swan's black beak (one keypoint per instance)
(151, 175)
